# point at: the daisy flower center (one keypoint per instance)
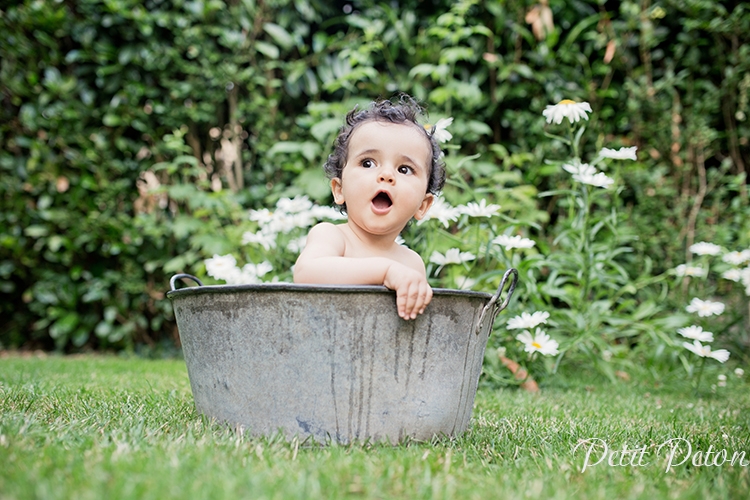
(566, 101)
(537, 345)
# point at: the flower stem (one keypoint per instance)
(586, 244)
(573, 141)
(700, 375)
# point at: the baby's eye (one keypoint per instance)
(367, 163)
(405, 169)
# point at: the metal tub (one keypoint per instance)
(334, 362)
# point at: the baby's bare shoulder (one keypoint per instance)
(326, 237)
(409, 257)
(325, 229)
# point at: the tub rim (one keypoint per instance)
(314, 288)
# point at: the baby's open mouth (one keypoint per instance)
(382, 201)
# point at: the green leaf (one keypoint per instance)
(182, 191)
(63, 326)
(309, 150)
(36, 231)
(7, 286)
(478, 127)
(324, 129)
(577, 30)
(110, 313)
(184, 225)
(103, 329)
(51, 76)
(452, 55)
(279, 35)
(315, 183)
(175, 264)
(269, 50)
(210, 244)
(80, 336)
(111, 120)
(189, 159)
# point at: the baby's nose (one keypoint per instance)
(386, 175)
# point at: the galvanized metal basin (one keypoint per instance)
(334, 362)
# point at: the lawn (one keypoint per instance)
(114, 427)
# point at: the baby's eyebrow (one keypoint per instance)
(368, 152)
(415, 163)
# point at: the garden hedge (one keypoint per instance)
(136, 134)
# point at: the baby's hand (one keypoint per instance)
(412, 291)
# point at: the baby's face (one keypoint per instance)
(384, 181)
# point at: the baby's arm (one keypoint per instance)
(323, 262)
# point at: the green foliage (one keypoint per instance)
(136, 136)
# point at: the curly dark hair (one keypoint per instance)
(406, 110)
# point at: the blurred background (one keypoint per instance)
(135, 136)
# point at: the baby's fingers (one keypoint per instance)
(403, 297)
(421, 299)
(414, 299)
(427, 299)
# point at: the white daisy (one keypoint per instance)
(566, 108)
(221, 267)
(704, 351)
(579, 168)
(527, 321)
(599, 180)
(514, 241)
(732, 274)
(465, 283)
(236, 276)
(303, 219)
(705, 307)
(736, 258)
(282, 222)
(294, 205)
(442, 211)
(296, 245)
(540, 342)
(441, 133)
(685, 270)
(251, 273)
(739, 372)
(264, 238)
(695, 332)
(704, 248)
(261, 216)
(325, 212)
(245, 277)
(263, 268)
(481, 209)
(620, 154)
(452, 256)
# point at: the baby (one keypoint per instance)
(384, 170)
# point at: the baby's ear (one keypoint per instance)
(337, 191)
(424, 207)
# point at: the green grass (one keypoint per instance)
(107, 427)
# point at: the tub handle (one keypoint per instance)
(492, 304)
(174, 279)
